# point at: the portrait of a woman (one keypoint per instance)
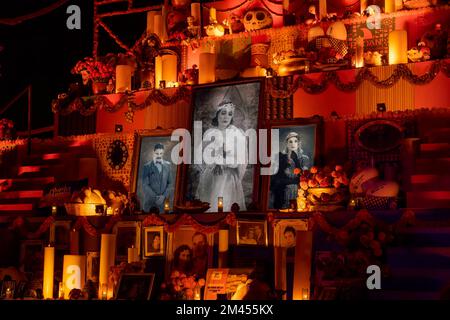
(291, 162)
(155, 245)
(223, 178)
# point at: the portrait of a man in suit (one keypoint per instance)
(157, 180)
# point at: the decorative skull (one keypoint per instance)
(256, 19)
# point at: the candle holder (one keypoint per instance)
(220, 204)
(54, 210)
(305, 294)
(104, 291)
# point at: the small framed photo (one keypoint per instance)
(60, 235)
(135, 286)
(252, 233)
(153, 241)
(93, 265)
(128, 234)
(32, 256)
(7, 289)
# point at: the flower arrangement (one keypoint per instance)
(6, 129)
(94, 70)
(182, 287)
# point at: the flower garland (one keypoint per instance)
(87, 106)
(364, 74)
(19, 223)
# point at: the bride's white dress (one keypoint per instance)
(227, 183)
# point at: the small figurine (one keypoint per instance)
(193, 31)
(311, 15)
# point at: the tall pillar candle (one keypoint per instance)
(389, 6)
(158, 25)
(322, 8)
(223, 248)
(196, 12)
(123, 77)
(107, 258)
(302, 265)
(132, 255)
(74, 273)
(151, 22)
(169, 68)
(212, 15)
(207, 67)
(398, 47)
(363, 5)
(49, 267)
(74, 242)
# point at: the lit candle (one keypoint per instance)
(169, 68)
(104, 291)
(167, 205)
(49, 266)
(389, 6)
(107, 257)
(363, 5)
(132, 254)
(359, 54)
(61, 291)
(196, 12)
(74, 273)
(54, 210)
(74, 242)
(207, 68)
(322, 9)
(220, 204)
(109, 211)
(398, 47)
(302, 263)
(212, 15)
(8, 293)
(197, 293)
(305, 294)
(158, 71)
(123, 77)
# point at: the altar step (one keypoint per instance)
(428, 199)
(430, 182)
(435, 149)
(30, 183)
(439, 135)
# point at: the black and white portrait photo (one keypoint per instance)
(156, 173)
(296, 152)
(229, 110)
(252, 233)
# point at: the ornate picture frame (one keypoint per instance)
(252, 233)
(154, 244)
(128, 233)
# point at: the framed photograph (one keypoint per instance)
(93, 265)
(153, 241)
(252, 233)
(135, 286)
(128, 234)
(60, 235)
(32, 256)
(284, 242)
(225, 160)
(154, 173)
(298, 148)
(189, 252)
(7, 289)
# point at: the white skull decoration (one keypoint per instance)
(257, 19)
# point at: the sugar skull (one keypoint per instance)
(257, 19)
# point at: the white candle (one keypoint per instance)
(132, 255)
(74, 273)
(54, 210)
(359, 54)
(220, 204)
(196, 12)
(49, 266)
(158, 25)
(322, 8)
(107, 257)
(389, 6)
(169, 68)
(151, 22)
(207, 67)
(223, 240)
(212, 15)
(123, 77)
(398, 47)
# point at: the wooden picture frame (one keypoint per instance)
(183, 241)
(248, 232)
(124, 231)
(135, 286)
(249, 113)
(92, 266)
(150, 249)
(150, 138)
(284, 242)
(60, 235)
(310, 130)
